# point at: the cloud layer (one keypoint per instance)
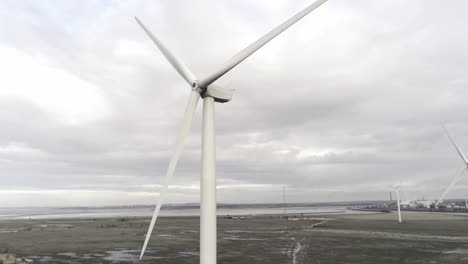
(346, 101)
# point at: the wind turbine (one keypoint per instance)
(460, 173)
(284, 201)
(210, 93)
(397, 190)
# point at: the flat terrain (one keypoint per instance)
(369, 238)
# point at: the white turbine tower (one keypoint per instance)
(397, 190)
(210, 94)
(460, 173)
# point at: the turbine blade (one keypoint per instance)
(178, 65)
(183, 133)
(455, 145)
(245, 53)
(452, 183)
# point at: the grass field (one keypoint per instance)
(372, 238)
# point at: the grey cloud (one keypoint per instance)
(359, 87)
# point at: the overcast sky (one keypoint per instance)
(348, 100)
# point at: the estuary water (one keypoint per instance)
(173, 210)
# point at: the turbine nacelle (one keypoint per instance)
(220, 94)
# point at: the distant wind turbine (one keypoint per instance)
(397, 190)
(284, 201)
(460, 173)
(210, 93)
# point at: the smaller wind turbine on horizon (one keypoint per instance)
(397, 190)
(284, 201)
(460, 173)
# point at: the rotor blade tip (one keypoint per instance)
(138, 21)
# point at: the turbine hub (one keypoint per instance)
(197, 88)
